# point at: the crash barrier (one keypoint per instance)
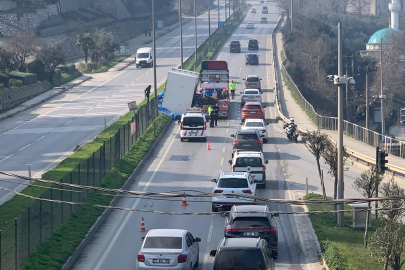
(41, 219)
(372, 138)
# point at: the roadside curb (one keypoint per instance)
(62, 89)
(96, 226)
(122, 65)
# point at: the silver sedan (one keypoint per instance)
(168, 249)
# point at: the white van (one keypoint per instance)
(193, 125)
(144, 57)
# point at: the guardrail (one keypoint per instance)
(372, 138)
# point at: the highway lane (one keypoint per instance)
(178, 166)
(43, 136)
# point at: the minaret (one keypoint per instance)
(395, 6)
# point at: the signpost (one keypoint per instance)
(220, 24)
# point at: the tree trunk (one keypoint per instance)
(86, 54)
(386, 264)
(335, 195)
(366, 230)
(319, 168)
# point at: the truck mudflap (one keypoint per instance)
(193, 133)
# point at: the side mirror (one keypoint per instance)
(197, 239)
(232, 135)
(214, 180)
(243, 79)
(260, 79)
(230, 162)
(261, 92)
(213, 253)
(142, 238)
(264, 106)
(266, 162)
(255, 181)
(241, 93)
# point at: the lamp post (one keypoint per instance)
(347, 92)
(154, 56)
(209, 22)
(367, 70)
(291, 15)
(181, 36)
(219, 15)
(382, 96)
(195, 33)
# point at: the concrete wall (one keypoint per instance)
(114, 7)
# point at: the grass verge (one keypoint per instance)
(343, 249)
(71, 233)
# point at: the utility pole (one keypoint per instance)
(292, 11)
(229, 8)
(381, 97)
(195, 32)
(340, 193)
(209, 22)
(225, 11)
(367, 102)
(181, 36)
(154, 57)
(219, 15)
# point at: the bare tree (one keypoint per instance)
(21, 45)
(387, 243)
(360, 7)
(396, 212)
(367, 185)
(316, 143)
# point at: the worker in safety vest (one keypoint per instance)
(210, 111)
(232, 87)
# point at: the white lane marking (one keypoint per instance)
(226, 131)
(222, 161)
(118, 233)
(24, 147)
(6, 158)
(223, 149)
(41, 138)
(68, 122)
(210, 231)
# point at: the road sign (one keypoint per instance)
(220, 24)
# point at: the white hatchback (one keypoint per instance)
(231, 184)
(168, 249)
(250, 25)
(257, 124)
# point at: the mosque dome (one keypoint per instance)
(384, 34)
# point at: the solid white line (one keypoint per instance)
(6, 158)
(226, 131)
(117, 234)
(222, 161)
(41, 138)
(210, 230)
(68, 122)
(24, 147)
(223, 149)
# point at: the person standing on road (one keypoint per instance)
(232, 87)
(210, 114)
(146, 33)
(215, 114)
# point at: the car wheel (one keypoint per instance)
(181, 139)
(191, 266)
(214, 209)
(198, 260)
(136, 66)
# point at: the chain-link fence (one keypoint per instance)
(42, 218)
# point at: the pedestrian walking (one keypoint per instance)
(210, 114)
(215, 114)
(146, 33)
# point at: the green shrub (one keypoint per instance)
(58, 74)
(87, 67)
(333, 258)
(69, 69)
(15, 83)
(4, 79)
(27, 78)
(38, 68)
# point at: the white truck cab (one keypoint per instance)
(193, 125)
(144, 57)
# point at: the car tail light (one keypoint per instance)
(258, 96)
(205, 125)
(244, 96)
(181, 125)
(218, 191)
(263, 131)
(247, 191)
(262, 110)
(268, 229)
(264, 167)
(230, 229)
(258, 141)
(141, 258)
(235, 141)
(273, 229)
(182, 258)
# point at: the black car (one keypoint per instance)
(234, 47)
(242, 253)
(252, 59)
(252, 225)
(249, 140)
(253, 44)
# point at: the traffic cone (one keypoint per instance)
(142, 226)
(208, 146)
(184, 202)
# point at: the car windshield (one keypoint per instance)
(251, 92)
(241, 259)
(248, 161)
(264, 19)
(247, 136)
(235, 43)
(251, 222)
(163, 242)
(143, 55)
(252, 41)
(233, 183)
(253, 79)
(253, 57)
(252, 107)
(254, 124)
(193, 121)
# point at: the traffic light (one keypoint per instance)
(382, 161)
(147, 92)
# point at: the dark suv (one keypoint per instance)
(249, 140)
(242, 253)
(234, 47)
(252, 59)
(252, 225)
(253, 44)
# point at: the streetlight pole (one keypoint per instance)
(181, 36)
(219, 15)
(154, 56)
(229, 8)
(381, 97)
(291, 17)
(209, 22)
(195, 33)
(225, 11)
(340, 193)
(367, 102)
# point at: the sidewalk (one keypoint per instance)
(290, 108)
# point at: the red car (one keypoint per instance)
(253, 110)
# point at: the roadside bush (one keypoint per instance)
(57, 74)
(4, 79)
(27, 78)
(69, 69)
(38, 68)
(87, 67)
(15, 83)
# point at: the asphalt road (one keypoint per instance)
(43, 136)
(179, 166)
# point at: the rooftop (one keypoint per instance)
(385, 34)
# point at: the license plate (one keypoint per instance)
(165, 261)
(193, 131)
(252, 112)
(247, 145)
(251, 234)
(230, 196)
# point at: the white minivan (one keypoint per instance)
(193, 125)
(144, 57)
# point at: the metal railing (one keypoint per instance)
(43, 218)
(372, 138)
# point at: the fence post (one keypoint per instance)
(51, 210)
(119, 143)
(123, 147)
(78, 168)
(15, 245)
(101, 155)
(40, 220)
(94, 170)
(154, 129)
(29, 231)
(115, 179)
(0, 249)
(104, 159)
(111, 154)
(61, 198)
(71, 193)
(88, 174)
